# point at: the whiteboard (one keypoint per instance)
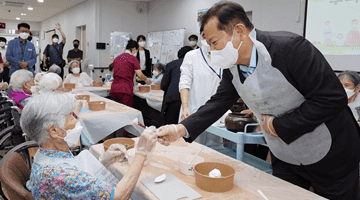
(164, 45)
(118, 42)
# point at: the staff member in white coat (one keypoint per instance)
(198, 82)
(293, 90)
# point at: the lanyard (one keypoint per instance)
(219, 75)
(22, 47)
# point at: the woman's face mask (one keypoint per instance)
(73, 135)
(76, 70)
(155, 73)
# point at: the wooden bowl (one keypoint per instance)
(97, 105)
(155, 87)
(83, 97)
(69, 85)
(214, 184)
(129, 143)
(97, 83)
(144, 88)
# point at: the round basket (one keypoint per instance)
(129, 143)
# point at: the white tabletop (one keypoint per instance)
(154, 98)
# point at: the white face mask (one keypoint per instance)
(55, 40)
(24, 36)
(349, 92)
(193, 43)
(33, 89)
(142, 44)
(155, 73)
(2, 44)
(205, 46)
(73, 135)
(76, 70)
(226, 57)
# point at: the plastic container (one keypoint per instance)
(97, 105)
(129, 143)
(216, 184)
(185, 167)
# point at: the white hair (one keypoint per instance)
(43, 110)
(74, 61)
(55, 69)
(19, 77)
(50, 82)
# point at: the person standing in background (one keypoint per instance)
(21, 53)
(55, 51)
(76, 53)
(4, 65)
(193, 41)
(144, 56)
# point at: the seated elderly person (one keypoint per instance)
(48, 120)
(23, 86)
(54, 69)
(351, 83)
(110, 77)
(50, 82)
(76, 76)
(158, 71)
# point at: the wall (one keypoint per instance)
(119, 16)
(12, 24)
(82, 14)
(271, 15)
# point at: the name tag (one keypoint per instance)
(29, 49)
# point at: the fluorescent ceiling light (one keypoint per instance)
(18, 18)
(30, 8)
(23, 13)
(40, 1)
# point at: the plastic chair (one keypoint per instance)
(14, 173)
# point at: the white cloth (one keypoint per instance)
(202, 83)
(353, 105)
(83, 78)
(142, 60)
(3, 52)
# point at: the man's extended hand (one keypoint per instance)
(170, 133)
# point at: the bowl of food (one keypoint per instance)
(221, 183)
(97, 105)
(127, 142)
(186, 167)
(69, 85)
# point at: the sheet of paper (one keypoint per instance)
(88, 163)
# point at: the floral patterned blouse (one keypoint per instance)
(65, 181)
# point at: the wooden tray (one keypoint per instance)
(97, 105)
(97, 83)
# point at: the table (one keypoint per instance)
(99, 124)
(239, 138)
(154, 98)
(246, 182)
(103, 91)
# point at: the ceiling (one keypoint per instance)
(41, 11)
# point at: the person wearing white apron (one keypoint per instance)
(198, 82)
(310, 130)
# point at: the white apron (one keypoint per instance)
(267, 91)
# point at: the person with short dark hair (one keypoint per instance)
(193, 40)
(144, 56)
(125, 66)
(295, 95)
(21, 53)
(110, 77)
(170, 85)
(76, 53)
(4, 65)
(55, 51)
(158, 73)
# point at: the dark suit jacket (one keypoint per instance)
(170, 83)
(148, 71)
(308, 71)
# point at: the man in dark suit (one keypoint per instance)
(293, 92)
(170, 85)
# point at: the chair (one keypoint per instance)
(14, 173)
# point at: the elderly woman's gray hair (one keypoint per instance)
(43, 110)
(55, 69)
(161, 67)
(50, 82)
(353, 76)
(20, 77)
(74, 61)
